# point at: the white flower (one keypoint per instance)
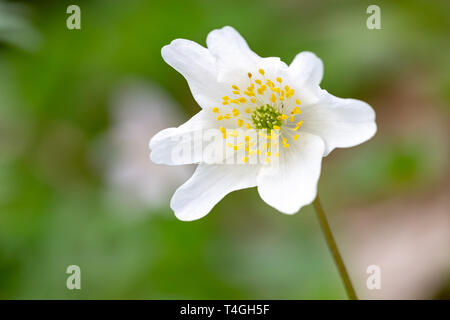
(237, 89)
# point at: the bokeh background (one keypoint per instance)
(78, 107)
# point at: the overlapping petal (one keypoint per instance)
(294, 183)
(209, 184)
(341, 123)
(198, 67)
(174, 146)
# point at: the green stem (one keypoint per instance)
(334, 250)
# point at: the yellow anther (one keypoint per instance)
(235, 112)
(299, 124)
(284, 140)
(234, 133)
(235, 87)
(248, 110)
(279, 80)
(297, 101)
(224, 132)
(236, 92)
(258, 152)
(276, 127)
(277, 154)
(296, 110)
(253, 100)
(226, 98)
(273, 98)
(258, 81)
(240, 122)
(292, 118)
(247, 138)
(219, 118)
(284, 116)
(286, 145)
(268, 153)
(281, 98)
(270, 83)
(261, 71)
(286, 88)
(296, 137)
(245, 159)
(225, 102)
(260, 90)
(227, 116)
(290, 92)
(216, 110)
(249, 75)
(242, 100)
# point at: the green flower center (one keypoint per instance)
(266, 117)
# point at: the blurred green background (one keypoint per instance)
(62, 141)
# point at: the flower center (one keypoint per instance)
(269, 107)
(266, 117)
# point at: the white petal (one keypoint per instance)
(166, 145)
(198, 66)
(230, 48)
(209, 184)
(306, 68)
(306, 71)
(294, 184)
(341, 123)
(235, 59)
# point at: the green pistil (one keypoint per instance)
(265, 117)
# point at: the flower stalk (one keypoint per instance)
(334, 249)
